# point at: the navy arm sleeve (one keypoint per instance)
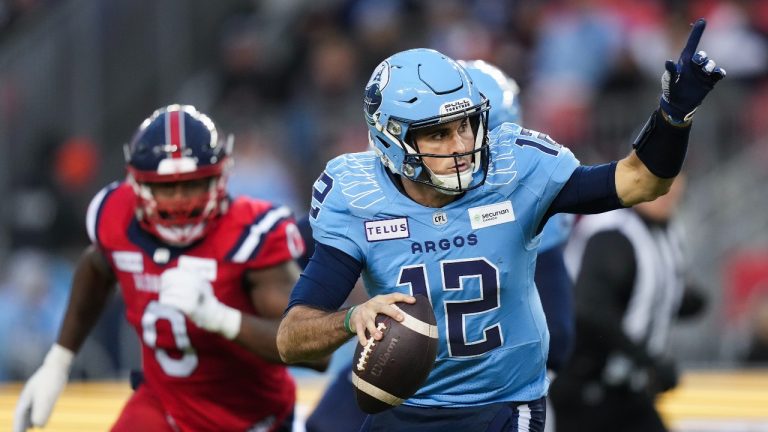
(556, 292)
(305, 229)
(327, 279)
(590, 189)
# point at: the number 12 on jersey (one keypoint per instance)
(454, 274)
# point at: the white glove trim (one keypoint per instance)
(229, 321)
(59, 357)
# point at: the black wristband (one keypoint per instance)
(662, 146)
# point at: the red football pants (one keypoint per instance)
(143, 412)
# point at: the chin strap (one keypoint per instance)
(452, 184)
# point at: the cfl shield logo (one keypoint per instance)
(455, 106)
(380, 76)
(439, 218)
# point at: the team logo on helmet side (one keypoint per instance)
(379, 80)
(372, 102)
(380, 75)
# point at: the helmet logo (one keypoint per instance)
(372, 102)
(379, 80)
(176, 166)
(380, 76)
(455, 106)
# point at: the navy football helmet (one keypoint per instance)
(502, 92)
(177, 143)
(420, 88)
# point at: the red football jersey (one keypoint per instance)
(204, 381)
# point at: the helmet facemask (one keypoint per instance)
(459, 181)
(179, 219)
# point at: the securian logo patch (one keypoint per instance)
(489, 215)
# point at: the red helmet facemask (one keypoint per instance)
(180, 219)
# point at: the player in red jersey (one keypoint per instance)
(205, 279)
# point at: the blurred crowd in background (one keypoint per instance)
(287, 76)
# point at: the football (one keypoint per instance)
(389, 371)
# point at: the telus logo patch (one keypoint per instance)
(386, 229)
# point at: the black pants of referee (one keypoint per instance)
(582, 406)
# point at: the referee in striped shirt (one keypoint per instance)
(629, 289)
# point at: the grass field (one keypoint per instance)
(705, 401)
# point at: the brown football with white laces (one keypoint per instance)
(389, 371)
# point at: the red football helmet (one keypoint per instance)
(176, 144)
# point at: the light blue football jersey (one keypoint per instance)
(474, 258)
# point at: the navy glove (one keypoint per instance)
(685, 83)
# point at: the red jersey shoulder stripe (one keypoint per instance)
(95, 208)
(249, 242)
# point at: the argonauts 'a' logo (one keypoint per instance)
(379, 80)
(372, 101)
(380, 75)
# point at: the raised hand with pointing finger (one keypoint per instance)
(685, 83)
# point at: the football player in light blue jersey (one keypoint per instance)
(445, 209)
(551, 277)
